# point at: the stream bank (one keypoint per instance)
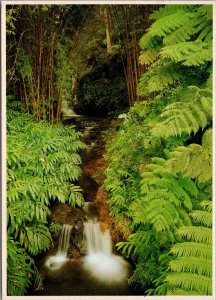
(71, 279)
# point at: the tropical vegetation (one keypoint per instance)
(42, 166)
(154, 64)
(159, 176)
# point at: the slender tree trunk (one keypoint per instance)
(108, 29)
(104, 13)
(59, 106)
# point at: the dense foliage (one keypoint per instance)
(42, 164)
(99, 94)
(51, 49)
(160, 161)
(159, 174)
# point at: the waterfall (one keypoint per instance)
(97, 241)
(66, 109)
(100, 263)
(55, 262)
(64, 240)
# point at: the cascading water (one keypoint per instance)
(55, 262)
(64, 240)
(100, 263)
(97, 241)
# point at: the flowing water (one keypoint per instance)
(99, 272)
(100, 263)
(55, 262)
(64, 240)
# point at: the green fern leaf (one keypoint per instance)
(189, 281)
(202, 217)
(192, 249)
(197, 265)
(181, 117)
(197, 234)
(194, 161)
(189, 53)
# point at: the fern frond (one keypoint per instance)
(189, 53)
(134, 243)
(170, 10)
(205, 32)
(194, 161)
(202, 217)
(148, 57)
(181, 292)
(196, 233)
(21, 270)
(179, 35)
(185, 117)
(167, 74)
(76, 196)
(192, 269)
(207, 205)
(207, 140)
(35, 239)
(192, 249)
(190, 281)
(206, 11)
(166, 25)
(197, 265)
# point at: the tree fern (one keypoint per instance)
(186, 116)
(135, 243)
(169, 10)
(194, 161)
(188, 53)
(159, 77)
(177, 52)
(181, 36)
(191, 270)
(165, 200)
(200, 284)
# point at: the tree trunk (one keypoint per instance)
(107, 22)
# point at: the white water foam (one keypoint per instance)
(100, 263)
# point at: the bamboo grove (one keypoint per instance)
(48, 51)
(159, 161)
(37, 54)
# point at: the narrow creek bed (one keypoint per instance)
(83, 260)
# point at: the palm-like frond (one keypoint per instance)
(165, 199)
(191, 270)
(181, 35)
(194, 161)
(200, 284)
(185, 117)
(192, 249)
(160, 77)
(189, 53)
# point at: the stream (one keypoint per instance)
(83, 260)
